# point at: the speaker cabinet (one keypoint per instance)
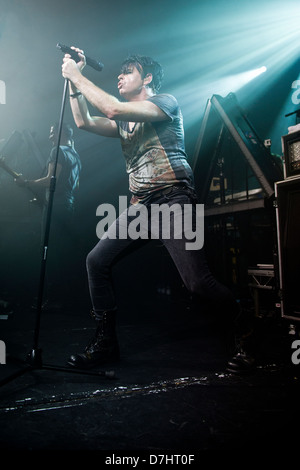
(291, 153)
(287, 195)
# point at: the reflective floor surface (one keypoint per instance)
(169, 393)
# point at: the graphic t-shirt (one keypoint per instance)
(155, 151)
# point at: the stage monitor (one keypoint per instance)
(291, 153)
(288, 235)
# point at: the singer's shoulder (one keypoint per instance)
(165, 100)
(168, 104)
(164, 96)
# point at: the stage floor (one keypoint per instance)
(170, 393)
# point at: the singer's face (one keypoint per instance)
(130, 82)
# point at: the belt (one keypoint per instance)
(164, 192)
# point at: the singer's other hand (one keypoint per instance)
(82, 63)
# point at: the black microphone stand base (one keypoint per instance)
(34, 362)
(34, 359)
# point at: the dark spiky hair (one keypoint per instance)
(145, 65)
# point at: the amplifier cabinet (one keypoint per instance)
(291, 154)
(287, 193)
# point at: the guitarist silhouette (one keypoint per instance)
(67, 172)
(62, 232)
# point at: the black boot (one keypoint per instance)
(102, 348)
(243, 361)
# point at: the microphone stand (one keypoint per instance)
(34, 357)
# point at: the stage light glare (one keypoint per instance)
(256, 72)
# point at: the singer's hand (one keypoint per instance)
(70, 68)
(82, 63)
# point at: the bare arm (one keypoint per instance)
(45, 182)
(83, 119)
(41, 182)
(134, 111)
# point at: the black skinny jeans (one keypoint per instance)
(191, 264)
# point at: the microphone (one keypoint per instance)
(91, 62)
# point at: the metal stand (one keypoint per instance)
(262, 277)
(34, 357)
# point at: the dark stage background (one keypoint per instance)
(205, 47)
(171, 391)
